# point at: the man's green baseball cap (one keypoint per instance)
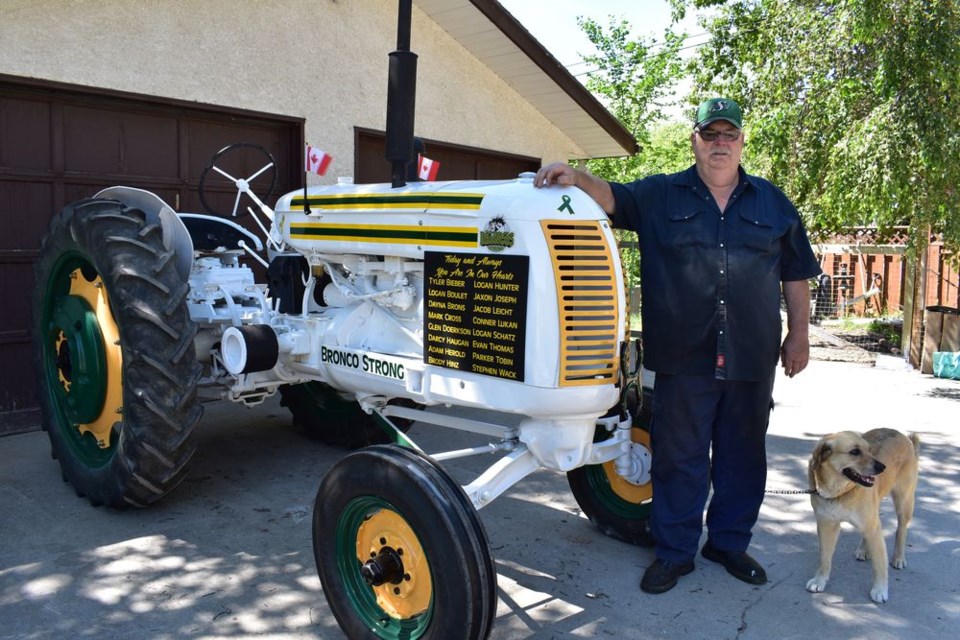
(719, 109)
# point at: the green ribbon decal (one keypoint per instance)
(566, 205)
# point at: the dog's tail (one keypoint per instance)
(915, 439)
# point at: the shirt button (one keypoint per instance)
(721, 245)
(721, 271)
(721, 302)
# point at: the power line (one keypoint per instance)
(589, 71)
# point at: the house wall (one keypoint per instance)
(322, 60)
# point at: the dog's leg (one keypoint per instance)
(862, 552)
(827, 534)
(877, 551)
(903, 503)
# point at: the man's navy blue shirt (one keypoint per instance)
(710, 280)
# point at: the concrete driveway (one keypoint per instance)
(228, 554)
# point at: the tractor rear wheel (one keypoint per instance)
(400, 550)
(114, 356)
(619, 506)
(323, 414)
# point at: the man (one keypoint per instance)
(715, 246)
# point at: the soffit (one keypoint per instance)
(497, 39)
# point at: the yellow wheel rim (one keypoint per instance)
(624, 489)
(95, 294)
(412, 595)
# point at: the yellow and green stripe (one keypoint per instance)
(395, 234)
(366, 201)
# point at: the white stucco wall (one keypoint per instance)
(323, 60)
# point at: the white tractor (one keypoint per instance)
(385, 304)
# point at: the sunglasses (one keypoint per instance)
(709, 135)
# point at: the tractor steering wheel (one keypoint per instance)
(236, 157)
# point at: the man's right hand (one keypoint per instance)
(564, 175)
(556, 173)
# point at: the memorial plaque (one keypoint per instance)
(475, 312)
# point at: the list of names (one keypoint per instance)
(475, 312)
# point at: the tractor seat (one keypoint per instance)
(211, 234)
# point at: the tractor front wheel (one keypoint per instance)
(400, 550)
(114, 355)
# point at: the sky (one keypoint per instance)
(554, 23)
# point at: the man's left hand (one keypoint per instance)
(794, 354)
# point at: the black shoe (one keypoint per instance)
(662, 575)
(737, 563)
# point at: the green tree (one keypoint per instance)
(635, 77)
(851, 105)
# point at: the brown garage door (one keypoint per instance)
(457, 162)
(60, 143)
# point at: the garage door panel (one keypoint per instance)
(73, 191)
(25, 212)
(113, 143)
(456, 161)
(207, 138)
(499, 170)
(25, 131)
(62, 143)
(17, 378)
(16, 287)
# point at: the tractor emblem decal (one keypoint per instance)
(496, 236)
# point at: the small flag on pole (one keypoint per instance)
(317, 160)
(427, 169)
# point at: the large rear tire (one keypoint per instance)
(114, 355)
(400, 550)
(320, 411)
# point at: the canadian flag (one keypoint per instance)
(317, 160)
(427, 169)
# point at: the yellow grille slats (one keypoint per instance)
(585, 277)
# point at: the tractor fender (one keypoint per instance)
(175, 234)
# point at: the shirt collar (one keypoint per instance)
(691, 179)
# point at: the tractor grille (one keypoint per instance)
(587, 300)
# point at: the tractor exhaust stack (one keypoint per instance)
(401, 99)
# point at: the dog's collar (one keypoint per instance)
(837, 496)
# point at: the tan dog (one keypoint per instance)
(850, 474)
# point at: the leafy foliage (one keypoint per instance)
(851, 105)
(635, 78)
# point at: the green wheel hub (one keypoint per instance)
(80, 360)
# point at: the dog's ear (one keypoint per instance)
(820, 453)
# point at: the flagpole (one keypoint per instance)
(306, 173)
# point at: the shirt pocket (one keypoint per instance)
(757, 232)
(685, 229)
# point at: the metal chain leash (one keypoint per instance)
(791, 491)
